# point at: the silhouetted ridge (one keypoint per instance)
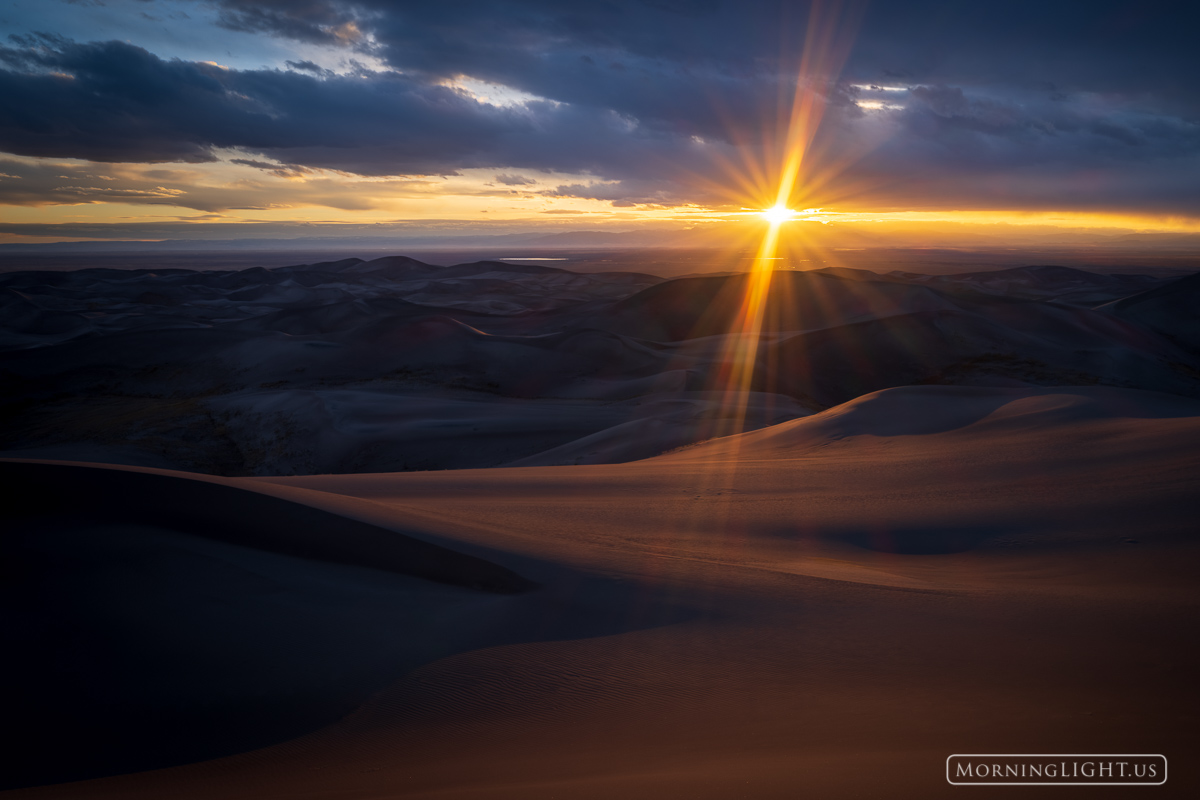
(241, 517)
(1172, 310)
(322, 266)
(689, 308)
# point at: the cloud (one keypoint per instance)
(278, 170)
(940, 103)
(308, 66)
(1026, 149)
(115, 102)
(308, 20)
(110, 192)
(625, 194)
(214, 187)
(515, 180)
(581, 52)
(341, 234)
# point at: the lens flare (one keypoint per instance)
(779, 166)
(787, 175)
(778, 214)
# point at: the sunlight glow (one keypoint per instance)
(789, 171)
(778, 214)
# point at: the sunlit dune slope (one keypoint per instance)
(937, 456)
(913, 414)
(831, 605)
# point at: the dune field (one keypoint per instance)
(370, 530)
(621, 400)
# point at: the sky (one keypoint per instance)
(925, 119)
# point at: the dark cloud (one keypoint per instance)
(1000, 102)
(515, 180)
(624, 194)
(308, 66)
(113, 101)
(1023, 150)
(110, 102)
(1108, 46)
(314, 21)
(280, 170)
(546, 46)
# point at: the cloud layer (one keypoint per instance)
(951, 105)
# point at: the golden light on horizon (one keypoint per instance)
(789, 173)
(778, 213)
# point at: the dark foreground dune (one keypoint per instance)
(823, 608)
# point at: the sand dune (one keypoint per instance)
(662, 424)
(154, 619)
(396, 364)
(1002, 343)
(26, 322)
(221, 511)
(1171, 310)
(689, 308)
(1059, 284)
(828, 607)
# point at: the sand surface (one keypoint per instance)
(396, 365)
(823, 608)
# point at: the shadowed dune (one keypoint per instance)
(1046, 282)
(228, 513)
(329, 317)
(915, 411)
(689, 308)
(153, 619)
(923, 571)
(340, 366)
(962, 518)
(1172, 310)
(1021, 345)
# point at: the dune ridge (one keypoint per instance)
(158, 618)
(832, 604)
(229, 513)
(398, 365)
(482, 532)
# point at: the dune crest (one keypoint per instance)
(398, 365)
(916, 411)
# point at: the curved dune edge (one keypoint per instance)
(917, 411)
(783, 685)
(215, 508)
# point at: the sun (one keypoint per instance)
(778, 214)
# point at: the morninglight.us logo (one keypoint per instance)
(1057, 769)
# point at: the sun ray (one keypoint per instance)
(780, 181)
